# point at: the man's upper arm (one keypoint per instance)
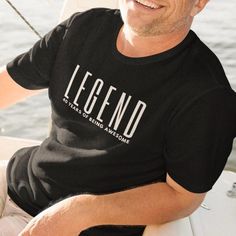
(10, 91)
(199, 138)
(189, 200)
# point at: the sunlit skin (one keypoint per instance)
(160, 29)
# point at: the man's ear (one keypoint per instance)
(198, 6)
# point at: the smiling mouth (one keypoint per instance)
(148, 4)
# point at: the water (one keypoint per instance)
(30, 119)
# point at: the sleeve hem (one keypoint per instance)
(18, 77)
(196, 189)
(14, 75)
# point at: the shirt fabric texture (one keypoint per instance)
(120, 122)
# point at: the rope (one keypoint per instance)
(23, 18)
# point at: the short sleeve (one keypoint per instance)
(32, 69)
(199, 139)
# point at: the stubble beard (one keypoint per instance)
(159, 27)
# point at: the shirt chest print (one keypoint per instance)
(116, 118)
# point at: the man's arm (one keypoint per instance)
(151, 204)
(10, 91)
(156, 203)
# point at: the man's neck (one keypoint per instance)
(133, 45)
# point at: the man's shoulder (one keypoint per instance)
(204, 66)
(204, 52)
(201, 72)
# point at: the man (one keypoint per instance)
(143, 120)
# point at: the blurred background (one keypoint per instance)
(30, 119)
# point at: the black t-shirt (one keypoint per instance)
(120, 122)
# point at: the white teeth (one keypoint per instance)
(148, 4)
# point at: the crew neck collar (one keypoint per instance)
(152, 58)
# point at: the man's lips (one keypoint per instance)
(149, 4)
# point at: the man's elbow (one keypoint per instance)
(194, 205)
(188, 203)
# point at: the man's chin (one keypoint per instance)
(145, 31)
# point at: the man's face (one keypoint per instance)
(156, 17)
